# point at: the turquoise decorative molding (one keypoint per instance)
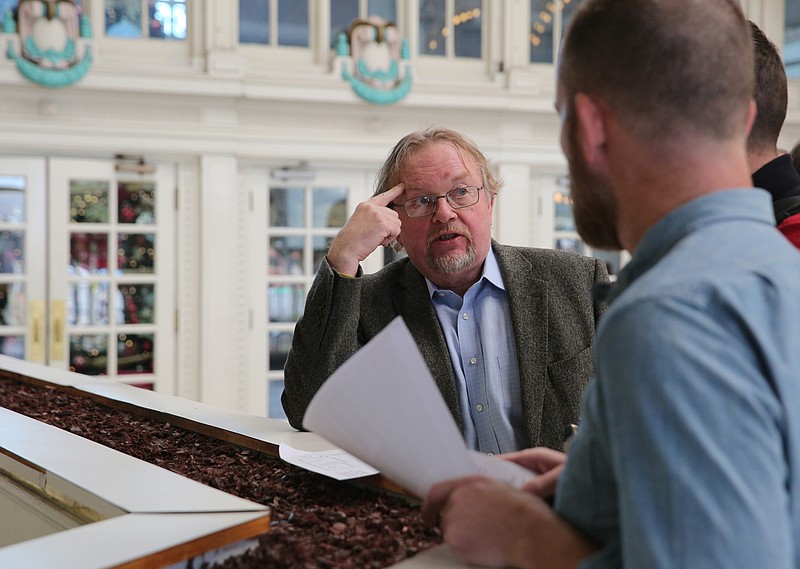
(86, 27)
(51, 55)
(379, 74)
(9, 25)
(48, 77)
(342, 47)
(388, 80)
(48, 65)
(379, 96)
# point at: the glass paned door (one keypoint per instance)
(295, 222)
(112, 272)
(304, 219)
(22, 258)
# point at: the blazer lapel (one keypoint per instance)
(527, 298)
(413, 303)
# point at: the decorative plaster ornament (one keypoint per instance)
(377, 69)
(49, 39)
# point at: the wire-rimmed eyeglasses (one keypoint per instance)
(460, 197)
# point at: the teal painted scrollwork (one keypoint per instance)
(379, 96)
(48, 41)
(386, 82)
(9, 25)
(48, 77)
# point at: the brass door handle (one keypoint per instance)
(35, 352)
(57, 312)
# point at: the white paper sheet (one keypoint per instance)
(383, 407)
(336, 463)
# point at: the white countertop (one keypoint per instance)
(112, 475)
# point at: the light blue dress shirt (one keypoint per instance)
(480, 340)
(688, 453)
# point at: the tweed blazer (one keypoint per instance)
(553, 318)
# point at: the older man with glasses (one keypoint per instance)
(507, 332)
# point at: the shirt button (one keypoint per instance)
(465, 316)
(473, 361)
(440, 294)
(479, 407)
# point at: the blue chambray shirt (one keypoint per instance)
(480, 340)
(688, 454)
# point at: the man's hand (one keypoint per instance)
(372, 224)
(547, 463)
(490, 523)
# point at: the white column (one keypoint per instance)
(223, 284)
(514, 206)
(222, 39)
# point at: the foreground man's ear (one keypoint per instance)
(592, 132)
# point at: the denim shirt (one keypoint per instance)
(688, 453)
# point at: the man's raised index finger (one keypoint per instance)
(389, 195)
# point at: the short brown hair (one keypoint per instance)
(666, 67)
(394, 165)
(771, 93)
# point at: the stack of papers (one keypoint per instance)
(335, 463)
(383, 407)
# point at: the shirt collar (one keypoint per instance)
(491, 272)
(738, 203)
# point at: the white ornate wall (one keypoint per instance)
(214, 108)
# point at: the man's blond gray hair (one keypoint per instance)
(393, 169)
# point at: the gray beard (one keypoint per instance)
(452, 263)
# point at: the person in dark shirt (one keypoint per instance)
(773, 169)
(795, 154)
